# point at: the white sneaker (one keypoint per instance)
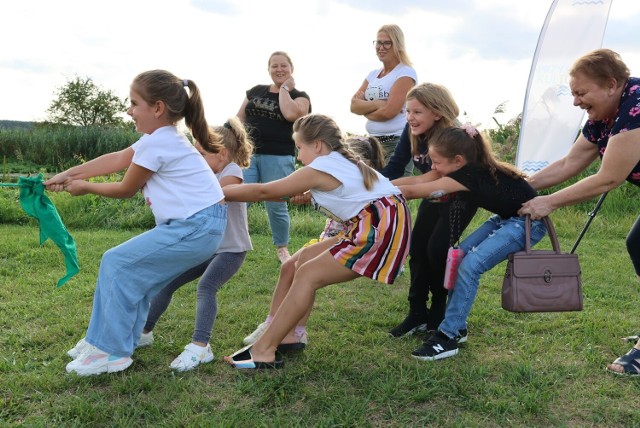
(146, 339)
(283, 254)
(94, 361)
(191, 357)
(251, 339)
(77, 350)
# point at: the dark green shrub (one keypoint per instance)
(57, 147)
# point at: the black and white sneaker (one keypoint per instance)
(412, 324)
(462, 335)
(436, 347)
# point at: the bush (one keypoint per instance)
(504, 139)
(57, 147)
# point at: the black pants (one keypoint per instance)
(633, 245)
(428, 256)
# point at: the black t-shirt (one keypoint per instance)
(504, 197)
(268, 128)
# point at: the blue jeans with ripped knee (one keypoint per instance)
(489, 245)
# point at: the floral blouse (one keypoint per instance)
(627, 118)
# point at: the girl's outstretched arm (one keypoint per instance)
(102, 165)
(432, 189)
(417, 179)
(296, 183)
(135, 177)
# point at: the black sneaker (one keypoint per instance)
(412, 324)
(462, 335)
(436, 347)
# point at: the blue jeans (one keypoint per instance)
(132, 273)
(489, 245)
(266, 168)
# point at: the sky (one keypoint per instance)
(481, 50)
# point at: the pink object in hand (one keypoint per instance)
(454, 257)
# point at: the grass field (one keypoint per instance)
(516, 370)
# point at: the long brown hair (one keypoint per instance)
(368, 149)
(439, 100)
(469, 143)
(161, 85)
(318, 127)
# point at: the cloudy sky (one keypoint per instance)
(480, 49)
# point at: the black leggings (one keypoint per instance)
(633, 245)
(428, 257)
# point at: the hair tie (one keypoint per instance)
(185, 83)
(227, 125)
(469, 129)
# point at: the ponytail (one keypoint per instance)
(161, 85)
(469, 143)
(318, 127)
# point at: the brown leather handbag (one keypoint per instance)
(542, 280)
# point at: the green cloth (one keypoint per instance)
(37, 205)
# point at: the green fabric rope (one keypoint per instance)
(37, 205)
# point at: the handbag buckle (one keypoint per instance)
(547, 276)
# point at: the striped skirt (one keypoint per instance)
(376, 242)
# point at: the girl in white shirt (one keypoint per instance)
(187, 203)
(344, 188)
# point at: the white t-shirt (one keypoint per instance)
(182, 183)
(348, 199)
(379, 88)
(236, 237)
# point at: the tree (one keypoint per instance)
(81, 102)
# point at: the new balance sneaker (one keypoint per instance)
(436, 347)
(93, 361)
(462, 335)
(80, 347)
(191, 357)
(251, 339)
(146, 339)
(412, 324)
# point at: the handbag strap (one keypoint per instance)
(550, 230)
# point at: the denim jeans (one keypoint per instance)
(132, 273)
(266, 168)
(489, 245)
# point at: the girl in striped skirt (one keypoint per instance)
(344, 188)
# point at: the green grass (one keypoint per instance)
(517, 370)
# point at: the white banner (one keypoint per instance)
(550, 121)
